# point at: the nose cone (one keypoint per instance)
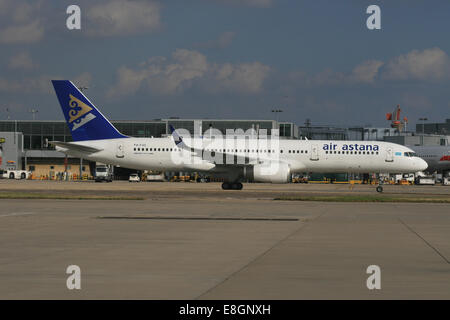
(421, 164)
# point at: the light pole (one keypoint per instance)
(8, 117)
(34, 111)
(277, 111)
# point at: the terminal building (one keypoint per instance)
(434, 128)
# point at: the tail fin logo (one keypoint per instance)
(79, 113)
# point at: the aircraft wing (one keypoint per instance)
(238, 160)
(75, 147)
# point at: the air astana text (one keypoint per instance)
(351, 147)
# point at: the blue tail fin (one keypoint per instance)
(84, 120)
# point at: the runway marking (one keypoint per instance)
(426, 242)
(266, 252)
(199, 218)
(15, 214)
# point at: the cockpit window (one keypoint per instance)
(410, 154)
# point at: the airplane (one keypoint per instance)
(437, 157)
(235, 159)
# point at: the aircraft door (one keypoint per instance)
(389, 155)
(120, 152)
(314, 152)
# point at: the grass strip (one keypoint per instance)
(359, 198)
(30, 195)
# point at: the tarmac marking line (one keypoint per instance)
(425, 241)
(15, 214)
(258, 257)
(199, 218)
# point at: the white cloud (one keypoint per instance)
(18, 22)
(242, 78)
(39, 84)
(116, 18)
(366, 72)
(83, 80)
(26, 33)
(188, 68)
(428, 64)
(22, 61)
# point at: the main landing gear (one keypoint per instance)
(380, 187)
(232, 186)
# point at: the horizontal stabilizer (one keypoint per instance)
(75, 147)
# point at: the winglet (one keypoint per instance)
(176, 137)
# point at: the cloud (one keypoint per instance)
(118, 18)
(364, 73)
(186, 69)
(18, 22)
(245, 78)
(429, 64)
(21, 61)
(83, 80)
(29, 85)
(18, 34)
(250, 3)
(223, 41)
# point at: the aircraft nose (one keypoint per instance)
(421, 164)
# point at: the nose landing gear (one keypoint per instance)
(232, 186)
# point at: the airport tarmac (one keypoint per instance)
(195, 241)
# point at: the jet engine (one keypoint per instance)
(273, 172)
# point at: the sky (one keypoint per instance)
(233, 59)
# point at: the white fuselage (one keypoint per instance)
(299, 155)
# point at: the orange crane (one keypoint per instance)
(394, 117)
